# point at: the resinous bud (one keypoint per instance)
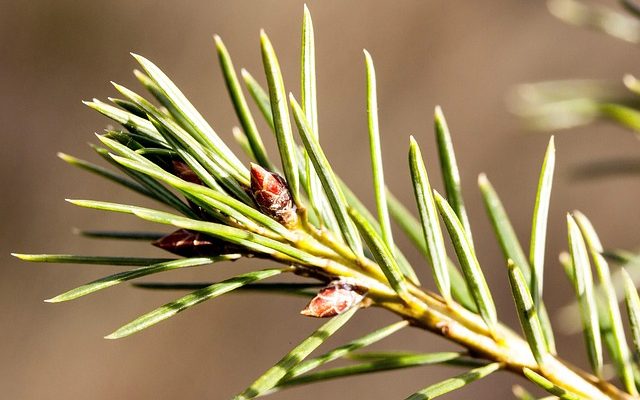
(335, 298)
(188, 243)
(272, 195)
(182, 170)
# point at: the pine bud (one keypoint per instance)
(272, 195)
(334, 299)
(187, 243)
(182, 170)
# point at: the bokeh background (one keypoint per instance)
(465, 56)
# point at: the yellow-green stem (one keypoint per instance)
(511, 350)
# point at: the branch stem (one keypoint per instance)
(510, 349)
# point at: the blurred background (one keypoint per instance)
(465, 56)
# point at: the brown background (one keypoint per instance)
(462, 55)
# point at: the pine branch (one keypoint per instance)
(221, 210)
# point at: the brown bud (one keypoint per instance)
(272, 195)
(334, 299)
(187, 243)
(182, 170)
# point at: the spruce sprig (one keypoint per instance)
(220, 208)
